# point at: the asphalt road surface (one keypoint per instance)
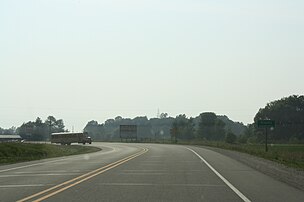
(141, 172)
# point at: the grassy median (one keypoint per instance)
(19, 152)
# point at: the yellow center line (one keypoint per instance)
(84, 176)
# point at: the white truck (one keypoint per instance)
(69, 138)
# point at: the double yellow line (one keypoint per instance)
(40, 196)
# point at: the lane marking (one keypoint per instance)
(161, 185)
(242, 196)
(82, 178)
(80, 181)
(90, 176)
(69, 181)
(62, 159)
(23, 185)
(163, 171)
(47, 171)
(143, 171)
(34, 175)
(146, 174)
(35, 164)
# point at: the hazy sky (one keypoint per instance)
(82, 60)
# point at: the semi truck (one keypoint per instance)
(69, 138)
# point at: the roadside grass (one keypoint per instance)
(291, 155)
(19, 152)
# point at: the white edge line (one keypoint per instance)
(242, 196)
(35, 164)
(23, 185)
(48, 162)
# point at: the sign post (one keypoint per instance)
(266, 124)
(266, 147)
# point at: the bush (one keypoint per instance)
(230, 138)
(243, 139)
(294, 140)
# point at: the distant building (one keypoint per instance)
(10, 138)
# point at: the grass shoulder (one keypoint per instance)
(20, 152)
(291, 155)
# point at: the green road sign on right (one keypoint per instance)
(266, 123)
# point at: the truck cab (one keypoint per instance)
(89, 140)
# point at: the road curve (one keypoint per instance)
(141, 172)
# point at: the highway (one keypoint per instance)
(141, 172)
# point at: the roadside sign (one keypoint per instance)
(266, 123)
(128, 131)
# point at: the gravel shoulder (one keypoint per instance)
(278, 171)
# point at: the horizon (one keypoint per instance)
(72, 127)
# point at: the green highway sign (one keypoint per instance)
(266, 123)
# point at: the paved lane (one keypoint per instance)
(23, 179)
(163, 173)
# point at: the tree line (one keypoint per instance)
(147, 129)
(10, 131)
(38, 130)
(288, 114)
(207, 126)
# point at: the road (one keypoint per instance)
(141, 172)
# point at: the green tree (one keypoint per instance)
(210, 127)
(50, 122)
(230, 138)
(40, 130)
(248, 134)
(33, 130)
(190, 129)
(9, 131)
(54, 126)
(59, 125)
(184, 128)
(163, 115)
(95, 130)
(288, 114)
